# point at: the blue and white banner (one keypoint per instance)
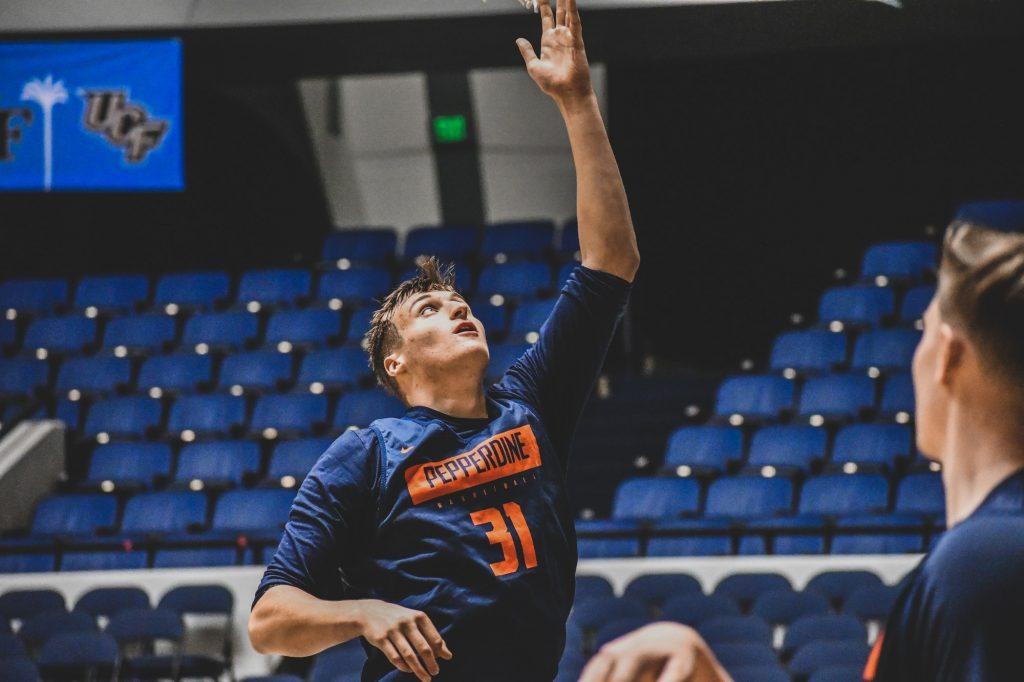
(91, 116)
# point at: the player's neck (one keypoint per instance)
(982, 447)
(456, 397)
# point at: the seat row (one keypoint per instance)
(817, 351)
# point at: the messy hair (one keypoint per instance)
(981, 290)
(382, 338)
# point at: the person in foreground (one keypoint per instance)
(959, 613)
(445, 538)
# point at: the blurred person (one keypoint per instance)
(445, 538)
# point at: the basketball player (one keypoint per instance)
(444, 538)
(960, 613)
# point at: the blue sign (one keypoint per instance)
(91, 116)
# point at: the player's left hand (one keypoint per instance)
(661, 652)
(561, 70)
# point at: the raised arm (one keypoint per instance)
(607, 240)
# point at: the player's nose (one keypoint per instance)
(460, 310)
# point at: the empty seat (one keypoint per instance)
(92, 376)
(753, 398)
(255, 371)
(194, 557)
(651, 498)
(494, 318)
(591, 614)
(514, 280)
(345, 247)
(191, 291)
(690, 537)
(823, 627)
(794, 448)
(748, 497)
(289, 329)
(885, 350)
(118, 293)
(838, 673)
(528, 319)
(898, 398)
(32, 296)
(358, 324)
(759, 673)
(139, 334)
(79, 655)
(10, 646)
(8, 334)
(656, 588)
(282, 287)
(163, 512)
(210, 602)
(694, 609)
(207, 332)
(333, 369)
(340, 288)
(744, 654)
(607, 547)
(782, 607)
(104, 560)
(915, 302)
(593, 587)
(836, 586)
(703, 449)
(38, 628)
(855, 306)
(22, 604)
(276, 415)
(447, 242)
(819, 654)
(205, 415)
(836, 397)
(122, 418)
(871, 445)
(568, 243)
(517, 239)
(218, 464)
(808, 351)
(253, 511)
(899, 261)
(143, 628)
(169, 374)
(22, 378)
(59, 335)
(119, 466)
(921, 494)
(27, 562)
(871, 602)
(360, 408)
(292, 460)
(503, 355)
(745, 588)
(904, 538)
(616, 628)
(735, 629)
(838, 494)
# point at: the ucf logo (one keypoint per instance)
(9, 130)
(122, 123)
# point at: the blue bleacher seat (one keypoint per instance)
(494, 318)
(116, 293)
(215, 604)
(26, 562)
(191, 291)
(694, 609)
(346, 287)
(743, 654)
(333, 369)
(703, 449)
(759, 673)
(503, 355)
(607, 547)
(568, 243)
(22, 604)
(253, 511)
(871, 602)
(255, 371)
(745, 588)
(38, 628)
(593, 587)
(855, 306)
(302, 328)
(359, 408)
(591, 614)
(79, 377)
(19, 669)
(218, 464)
(898, 398)
(814, 350)
(198, 557)
(836, 397)
(838, 673)
(358, 324)
(753, 398)
(276, 415)
(514, 280)
(8, 335)
(129, 465)
(205, 415)
(59, 335)
(749, 497)
(205, 332)
(105, 601)
(10, 646)
(32, 296)
(618, 627)
(921, 494)
(654, 589)
(79, 655)
(528, 319)
(74, 515)
(822, 627)
(139, 334)
(676, 538)
(163, 512)
(900, 542)
(885, 349)
(282, 287)
(915, 302)
(1001, 214)
(22, 378)
(100, 560)
(652, 498)
(122, 418)
(872, 445)
(517, 239)
(782, 607)
(837, 494)
(447, 242)
(735, 629)
(815, 655)
(345, 247)
(171, 374)
(836, 586)
(292, 460)
(901, 261)
(144, 627)
(794, 448)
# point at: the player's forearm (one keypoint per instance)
(291, 622)
(607, 239)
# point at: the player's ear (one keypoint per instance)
(950, 360)
(394, 364)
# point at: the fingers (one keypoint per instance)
(572, 15)
(627, 669)
(676, 670)
(547, 18)
(560, 13)
(422, 649)
(408, 654)
(392, 654)
(598, 669)
(433, 637)
(526, 49)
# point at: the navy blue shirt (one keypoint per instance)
(960, 613)
(466, 520)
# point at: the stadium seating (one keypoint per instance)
(115, 294)
(139, 334)
(220, 332)
(217, 464)
(59, 336)
(836, 398)
(808, 351)
(255, 372)
(128, 466)
(871, 446)
(80, 377)
(655, 589)
(359, 246)
(897, 401)
(291, 460)
(288, 415)
(754, 398)
(32, 297)
(170, 374)
(703, 450)
(122, 418)
(191, 291)
(447, 242)
(514, 281)
(359, 408)
(787, 449)
(205, 415)
(517, 240)
(855, 306)
(347, 287)
(291, 329)
(915, 302)
(884, 350)
(330, 370)
(273, 288)
(899, 262)
(20, 378)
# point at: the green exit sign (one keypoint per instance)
(448, 129)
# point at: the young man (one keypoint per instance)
(958, 614)
(445, 538)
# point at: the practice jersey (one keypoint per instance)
(466, 520)
(959, 614)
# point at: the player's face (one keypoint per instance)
(930, 399)
(438, 329)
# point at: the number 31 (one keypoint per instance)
(499, 535)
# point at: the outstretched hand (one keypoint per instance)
(561, 70)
